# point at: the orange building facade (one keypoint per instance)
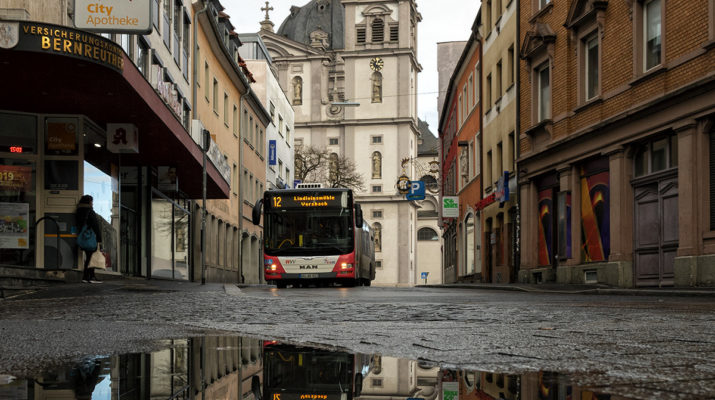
(460, 134)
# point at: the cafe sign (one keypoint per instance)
(120, 16)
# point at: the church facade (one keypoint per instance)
(349, 68)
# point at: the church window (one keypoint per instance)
(427, 234)
(376, 87)
(378, 30)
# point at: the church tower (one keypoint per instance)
(350, 69)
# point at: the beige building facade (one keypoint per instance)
(498, 154)
(350, 70)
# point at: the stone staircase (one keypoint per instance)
(17, 280)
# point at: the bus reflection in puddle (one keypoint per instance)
(231, 367)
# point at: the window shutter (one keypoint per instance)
(360, 35)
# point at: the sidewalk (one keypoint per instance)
(117, 285)
(558, 288)
(114, 284)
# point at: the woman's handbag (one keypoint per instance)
(87, 239)
(97, 261)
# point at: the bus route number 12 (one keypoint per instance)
(277, 202)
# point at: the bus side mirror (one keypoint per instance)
(358, 216)
(256, 216)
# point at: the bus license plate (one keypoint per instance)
(308, 276)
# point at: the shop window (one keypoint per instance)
(18, 134)
(18, 213)
(595, 211)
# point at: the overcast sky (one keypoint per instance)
(442, 21)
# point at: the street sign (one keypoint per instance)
(424, 275)
(271, 152)
(417, 191)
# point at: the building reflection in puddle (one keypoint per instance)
(228, 368)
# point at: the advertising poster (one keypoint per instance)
(14, 225)
(15, 178)
(450, 390)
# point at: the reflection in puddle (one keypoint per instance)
(229, 367)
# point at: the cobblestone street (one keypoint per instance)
(605, 340)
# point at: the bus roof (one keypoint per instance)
(307, 190)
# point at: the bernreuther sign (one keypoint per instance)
(128, 16)
(46, 38)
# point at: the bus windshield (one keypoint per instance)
(321, 231)
(307, 371)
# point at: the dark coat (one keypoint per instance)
(86, 215)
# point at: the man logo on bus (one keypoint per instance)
(308, 267)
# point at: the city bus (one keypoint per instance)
(315, 236)
(303, 373)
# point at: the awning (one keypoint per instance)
(58, 70)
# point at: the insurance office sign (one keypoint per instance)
(121, 16)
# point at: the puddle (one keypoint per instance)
(231, 367)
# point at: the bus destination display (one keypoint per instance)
(305, 201)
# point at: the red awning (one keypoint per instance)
(39, 80)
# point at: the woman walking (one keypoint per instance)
(85, 215)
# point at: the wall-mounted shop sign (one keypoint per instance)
(122, 138)
(219, 161)
(131, 16)
(272, 152)
(46, 38)
(502, 192)
(166, 90)
(485, 202)
(450, 207)
(61, 138)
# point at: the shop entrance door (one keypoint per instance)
(656, 231)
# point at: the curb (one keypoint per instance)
(595, 291)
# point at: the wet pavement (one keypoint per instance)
(638, 345)
(235, 367)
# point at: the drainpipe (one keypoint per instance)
(240, 188)
(517, 223)
(194, 83)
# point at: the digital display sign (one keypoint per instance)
(306, 200)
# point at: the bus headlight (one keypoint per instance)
(273, 267)
(346, 266)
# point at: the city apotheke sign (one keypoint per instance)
(129, 16)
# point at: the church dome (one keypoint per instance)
(327, 16)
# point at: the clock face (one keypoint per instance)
(376, 64)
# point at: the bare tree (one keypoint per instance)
(309, 163)
(342, 173)
(313, 164)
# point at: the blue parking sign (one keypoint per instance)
(417, 191)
